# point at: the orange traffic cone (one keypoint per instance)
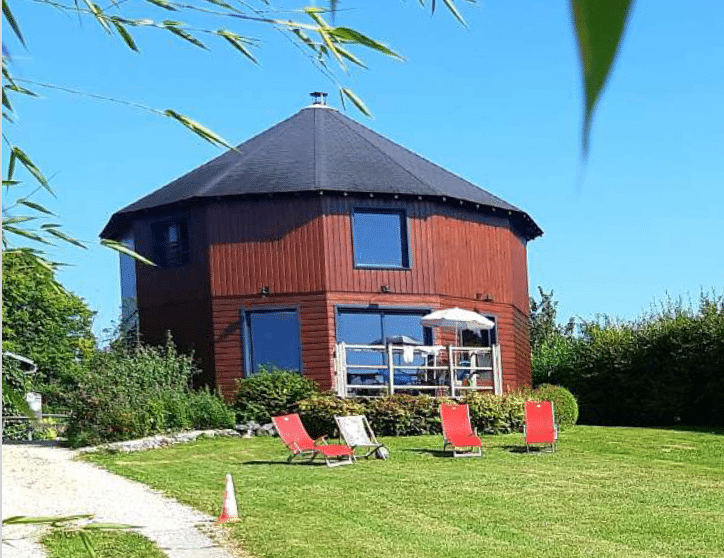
(228, 506)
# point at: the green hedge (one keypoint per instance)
(406, 415)
(665, 368)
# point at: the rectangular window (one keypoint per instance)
(375, 327)
(379, 238)
(272, 340)
(170, 243)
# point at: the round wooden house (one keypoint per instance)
(318, 237)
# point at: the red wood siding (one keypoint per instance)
(177, 299)
(273, 243)
(453, 252)
(301, 249)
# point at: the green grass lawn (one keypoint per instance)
(618, 492)
(115, 544)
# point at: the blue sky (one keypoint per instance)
(499, 103)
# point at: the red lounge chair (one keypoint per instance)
(457, 432)
(294, 435)
(540, 425)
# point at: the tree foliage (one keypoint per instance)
(665, 367)
(44, 323)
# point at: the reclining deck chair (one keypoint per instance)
(457, 432)
(540, 425)
(294, 435)
(357, 433)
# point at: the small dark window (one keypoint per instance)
(170, 244)
(482, 338)
(380, 238)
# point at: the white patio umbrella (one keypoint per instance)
(457, 319)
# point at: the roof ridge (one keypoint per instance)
(408, 171)
(501, 200)
(243, 158)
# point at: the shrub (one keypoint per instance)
(496, 414)
(404, 415)
(565, 406)
(136, 393)
(318, 412)
(208, 410)
(269, 393)
(407, 415)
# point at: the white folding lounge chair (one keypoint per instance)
(357, 432)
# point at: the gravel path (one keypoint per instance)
(44, 480)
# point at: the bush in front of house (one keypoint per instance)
(271, 392)
(404, 415)
(318, 412)
(565, 407)
(496, 414)
(132, 393)
(408, 415)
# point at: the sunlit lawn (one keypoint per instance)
(606, 492)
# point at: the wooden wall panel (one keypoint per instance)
(273, 243)
(301, 248)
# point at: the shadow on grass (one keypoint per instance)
(286, 463)
(428, 451)
(522, 449)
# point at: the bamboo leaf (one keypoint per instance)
(356, 101)
(25, 234)
(11, 165)
(173, 27)
(66, 238)
(237, 42)
(123, 249)
(35, 206)
(15, 87)
(453, 9)
(224, 5)
(302, 36)
(108, 526)
(8, 183)
(125, 35)
(162, 4)
(6, 101)
(351, 57)
(350, 35)
(12, 22)
(98, 13)
(330, 45)
(197, 128)
(599, 27)
(28, 164)
(18, 219)
(87, 543)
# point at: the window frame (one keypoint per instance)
(246, 340)
(406, 263)
(161, 250)
(427, 332)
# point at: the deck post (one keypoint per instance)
(497, 371)
(451, 370)
(390, 369)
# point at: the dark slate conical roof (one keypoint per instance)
(319, 149)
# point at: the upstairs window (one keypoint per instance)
(379, 238)
(170, 244)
